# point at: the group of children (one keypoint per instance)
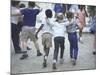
(57, 28)
(79, 12)
(51, 28)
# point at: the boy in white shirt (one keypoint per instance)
(46, 36)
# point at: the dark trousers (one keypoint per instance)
(15, 37)
(72, 37)
(19, 26)
(58, 42)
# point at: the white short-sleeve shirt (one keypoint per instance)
(59, 28)
(47, 27)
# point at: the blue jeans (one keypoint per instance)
(58, 43)
(72, 37)
(15, 37)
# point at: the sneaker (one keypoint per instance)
(71, 59)
(81, 40)
(54, 66)
(61, 61)
(44, 64)
(39, 54)
(73, 62)
(24, 56)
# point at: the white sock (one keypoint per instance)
(54, 61)
(45, 57)
(81, 38)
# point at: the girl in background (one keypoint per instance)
(81, 15)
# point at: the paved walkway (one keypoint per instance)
(33, 64)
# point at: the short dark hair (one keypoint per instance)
(22, 5)
(15, 3)
(70, 15)
(48, 13)
(31, 4)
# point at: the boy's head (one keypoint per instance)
(31, 4)
(15, 3)
(70, 15)
(48, 13)
(22, 5)
(60, 16)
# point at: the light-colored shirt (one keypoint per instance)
(72, 26)
(46, 27)
(58, 28)
(14, 18)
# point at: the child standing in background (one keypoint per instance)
(82, 14)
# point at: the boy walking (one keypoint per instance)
(46, 36)
(28, 29)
